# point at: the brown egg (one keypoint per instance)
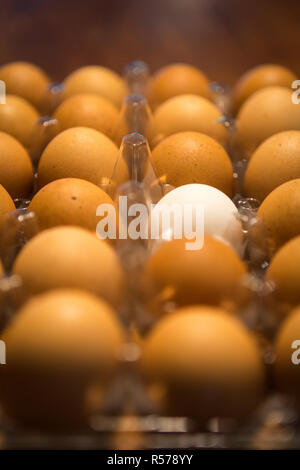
(78, 152)
(69, 201)
(279, 158)
(6, 204)
(187, 113)
(280, 213)
(260, 77)
(17, 118)
(266, 112)
(26, 80)
(284, 272)
(16, 173)
(206, 364)
(191, 157)
(98, 80)
(211, 275)
(177, 79)
(286, 366)
(70, 257)
(61, 348)
(87, 110)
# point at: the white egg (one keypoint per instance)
(213, 213)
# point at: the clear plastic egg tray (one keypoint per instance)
(130, 420)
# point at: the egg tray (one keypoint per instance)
(275, 427)
(275, 423)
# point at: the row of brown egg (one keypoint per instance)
(188, 374)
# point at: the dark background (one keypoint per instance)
(223, 37)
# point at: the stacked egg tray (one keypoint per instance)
(254, 307)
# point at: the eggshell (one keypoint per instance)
(220, 213)
(177, 79)
(78, 152)
(16, 172)
(207, 363)
(279, 158)
(191, 157)
(260, 77)
(26, 80)
(265, 113)
(280, 213)
(17, 118)
(70, 257)
(59, 346)
(69, 201)
(211, 275)
(284, 271)
(6, 204)
(87, 110)
(187, 113)
(98, 80)
(286, 372)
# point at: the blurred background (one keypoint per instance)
(224, 38)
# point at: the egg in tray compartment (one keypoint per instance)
(198, 327)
